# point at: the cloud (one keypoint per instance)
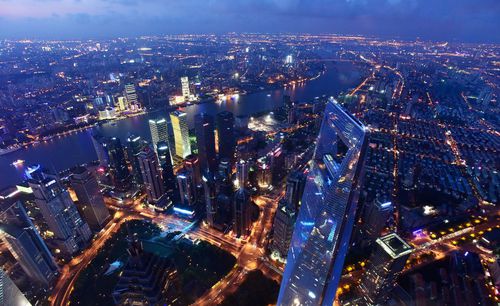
(433, 19)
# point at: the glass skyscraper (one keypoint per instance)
(324, 224)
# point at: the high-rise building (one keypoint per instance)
(376, 216)
(10, 295)
(134, 147)
(100, 143)
(131, 95)
(159, 132)
(226, 135)
(25, 243)
(72, 233)
(324, 224)
(264, 174)
(192, 163)
(294, 189)
(118, 164)
(384, 267)
(181, 133)
(209, 187)
(167, 171)
(205, 138)
(151, 175)
(90, 200)
(242, 173)
(187, 188)
(186, 92)
(241, 213)
(286, 213)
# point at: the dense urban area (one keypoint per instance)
(263, 169)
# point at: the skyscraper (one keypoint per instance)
(159, 132)
(242, 173)
(209, 187)
(148, 162)
(264, 174)
(25, 243)
(376, 216)
(384, 267)
(100, 143)
(324, 224)
(192, 163)
(118, 164)
(187, 188)
(131, 95)
(205, 138)
(186, 92)
(294, 189)
(90, 200)
(9, 293)
(59, 211)
(134, 147)
(225, 132)
(241, 213)
(181, 133)
(167, 171)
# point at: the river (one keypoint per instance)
(66, 151)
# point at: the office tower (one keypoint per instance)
(122, 103)
(241, 213)
(324, 224)
(264, 174)
(224, 169)
(167, 171)
(294, 189)
(186, 92)
(187, 188)
(90, 200)
(192, 163)
(59, 211)
(100, 143)
(131, 95)
(386, 263)
(159, 132)
(10, 295)
(205, 138)
(286, 213)
(376, 216)
(151, 175)
(223, 178)
(242, 173)
(181, 133)
(209, 187)
(118, 165)
(25, 243)
(225, 132)
(134, 147)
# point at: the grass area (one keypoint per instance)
(256, 290)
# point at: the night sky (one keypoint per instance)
(460, 20)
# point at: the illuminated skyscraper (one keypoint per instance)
(151, 175)
(264, 174)
(205, 138)
(376, 216)
(181, 133)
(241, 213)
(25, 243)
(59, 211)
(167, 171)
(324, 224)
(186, 92)
(225, 132)
(90, 200)
(118, 164)
(294, 189)
(159, 132)
(384, 267)
(242, 173)
(134, 146)
(192, 163)
(187, 188)
(10, 295)
(209, 187)
(131, 95)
